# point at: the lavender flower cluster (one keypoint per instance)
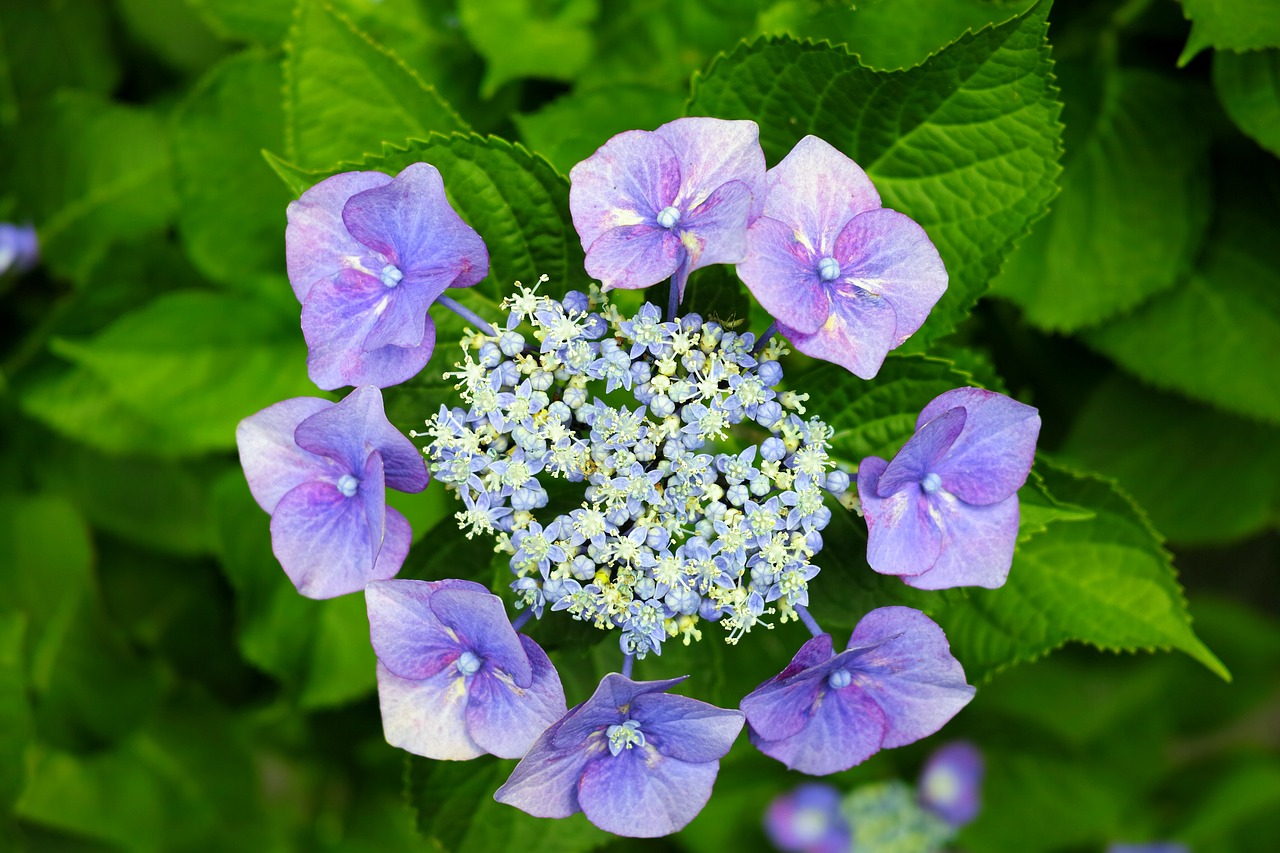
(668, 535)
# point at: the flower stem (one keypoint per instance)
(673, 299)
(628, 661)
(809, 622)
(521, 620)
(467, 314)
(765, 338)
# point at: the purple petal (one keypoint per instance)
(901, 658)
(816, 190)
(609, 704)
(684, 728)
(711, 152)
(625, 183)
(427, 717)
(808, 819)
(921, 454)
(545, 782)
(406, 634)
(715, 232)
(640, 793)
(886, 253)
(992, 456)
(781, 709)
(506, 719)
(977, 543)
(272, 461)
(479, 621)
(842, 728)
(338, 316)
(358, 425)
(634, 256)
(397, 536)
(782, 274)
(951, 783)
(317, 243)
(858, 332)
(902, 537)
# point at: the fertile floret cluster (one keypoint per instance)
(669, 532)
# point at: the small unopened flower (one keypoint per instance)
(808, 820)
(636, 760)
(455, 680)
(367, 255)
(19, 248)
(944, 512)
(321, 470)
(895, 683)
(951, 783)
(652, 205)
(846, 279)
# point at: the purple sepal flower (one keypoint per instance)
(652, 205)
(895, 683)
(367, 255)
(635, 759)
(19, 248)
(846, 279)
(321, 470)
(951, 783)
(455, 680)
(944, 512)
(808, 820)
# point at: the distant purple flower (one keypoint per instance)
(951, 783)
(455, 680)
(846, 279)
(652, 205)
(635, 759)
(321, 470)
(367, 255)
(19, 248)
(944, 512)
(808, 820)
(895, 683)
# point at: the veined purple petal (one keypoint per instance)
(406, 634)
(886, 253)
(427, 717)
(357, 425)
(711, 152)
(816, 190)
(397, 536)
(715, 232)
(272, 461)
(951, 783)
(902, 660)
(317, 243)
(977, 543)
(506, 719)
(902, 537)
(780, 709)
(634, 256)
(640, 793)
(858, 332)
(337, 318)
(843, 727)
(781, 272)
(545, 782)
(991, 458)
(684, 728)
(922, 453)
(479, 621)
(609, 704)
(627, 182)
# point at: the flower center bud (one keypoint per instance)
(624, 736)
(668, 217)
(468, 663)
(828, 269)
(391, 275)
(931, 483)
(839, 679)
(348, 485)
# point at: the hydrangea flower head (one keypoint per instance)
(652, 205)
(951, 783)
(638, 761)
(321, 470)
(367, 255)
(895, 683)
(455, 680)
(846, 279)
(944, 512)
(19, 248)
(808, 820)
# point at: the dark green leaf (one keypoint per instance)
(15, 708)
(1230, 25)
(1248, 85)
(47, 45)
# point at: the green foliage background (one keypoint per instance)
(1101, 179)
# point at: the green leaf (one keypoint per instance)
(172, 31)
(967, 144)
(15, 709)
(48, 45)
(265, 22)
(1248, 85)
(528, 38)
(513, 198)
(196, 363)
(1133, 208)
(1230, 25)
(334, 72)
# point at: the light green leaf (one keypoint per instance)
(1230, 25)
(1248, 85)
(48, 45)
(265, 22)
(333, 72)
(172, 31)
(527, 38)
(967, 144)
(1133, 207)
(197, 363)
